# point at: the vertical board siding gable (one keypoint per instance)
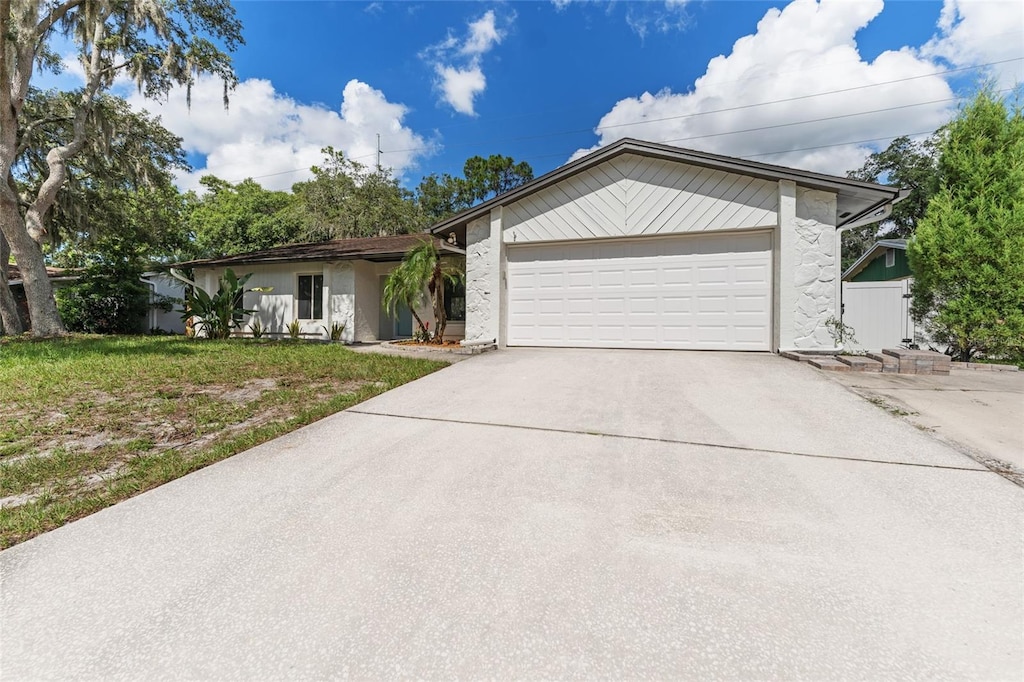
(632, 195)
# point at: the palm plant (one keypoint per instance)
(216, 314)
(422, 271)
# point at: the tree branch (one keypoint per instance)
(5, 18)
(55, 15)
(56, 158)
(26, 133)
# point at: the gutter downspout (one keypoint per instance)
(869, 216)
(152, 296)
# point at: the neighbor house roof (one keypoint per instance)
(379, 249)
(857, 199)
(55, 274)
(876, 250)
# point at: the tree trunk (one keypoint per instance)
(412, 309)
(10, 321)
(42, 308)
(440, 319)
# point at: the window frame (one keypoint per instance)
(315, 293)
(450, 291)
(890, 258)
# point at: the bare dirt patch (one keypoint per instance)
(249, 391)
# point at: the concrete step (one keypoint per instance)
(919, 361)
(859, 363)
(829, 364)
(890, 364)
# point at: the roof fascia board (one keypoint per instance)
(380, 256)
(654, 150)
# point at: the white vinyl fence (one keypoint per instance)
(879, 313)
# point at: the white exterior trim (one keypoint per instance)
(803, 220)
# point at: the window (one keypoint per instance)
(311, 297)
(890, 257)
(455, 301)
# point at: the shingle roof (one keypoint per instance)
(14, 274)
(363, 248)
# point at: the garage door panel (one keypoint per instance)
(719, 274)
(713, 305)
(750, 274)
(747, 335)
(705, 291)
(750, 304)
(713, 334)
(672, 276)
(643, 277)
(579, 280)
(643, 306)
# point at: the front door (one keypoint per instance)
(399, 327)
(403, 325)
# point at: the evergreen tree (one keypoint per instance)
(968, 251)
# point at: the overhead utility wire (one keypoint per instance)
(680, 116)
(805, 69)
(716, 111)
(837, 144)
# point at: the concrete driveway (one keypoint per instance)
(549, 514)
(979, 411)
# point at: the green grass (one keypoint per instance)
(88, 421)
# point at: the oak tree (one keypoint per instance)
(158, 45)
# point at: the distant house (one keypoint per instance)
(166, 296)
(338, 281)
(59, 277)
(876, 298)
(885, 261)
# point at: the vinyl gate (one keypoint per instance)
(879, 313)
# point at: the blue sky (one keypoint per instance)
(442, 81)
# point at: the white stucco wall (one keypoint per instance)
(483, 278)
(352, 296)
(277, 308)
(161, 285)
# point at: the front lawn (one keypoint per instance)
(86, 422)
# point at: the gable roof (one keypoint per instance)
(379, 249)
(860, 198)
(876, 250)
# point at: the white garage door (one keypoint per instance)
(692, 292)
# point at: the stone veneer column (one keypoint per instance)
(815, 274)
(806, 271)
(483, 278)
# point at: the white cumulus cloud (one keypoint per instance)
(796, 53)
(267, 135)
(973, 32)
(458, 62)
(459, 87)
(483, 35)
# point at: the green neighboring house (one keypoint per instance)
(884, 262)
